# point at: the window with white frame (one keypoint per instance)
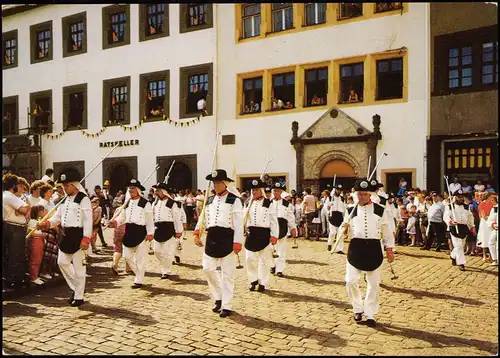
(251, 20)
(315, 13)
(282, 16)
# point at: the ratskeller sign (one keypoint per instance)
(121, 143)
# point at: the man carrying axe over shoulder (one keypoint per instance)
(139, 227)
(222, 217)
(75, 217)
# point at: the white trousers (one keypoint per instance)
(493, 245)
(370, 306)
(259, 264)
(332, 236)
(221, 283)
(137, 259)
(74, 271)
(458, 250)
(164, 252)
(483, 234)
(280, 261)
(325, 225)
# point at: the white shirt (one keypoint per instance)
(222, 214)
(336, 205)
(259, 216)
(479, 187)
(70, 214)
(202, 104)
(464, 216)
(162, 213)
(34, 201)
(48, 205)
(368, 225)
(285, 212)
(493, 217)
(134, 214)
(45, 178)
(10, 204)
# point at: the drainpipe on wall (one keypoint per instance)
(427, 89)
(216, 111)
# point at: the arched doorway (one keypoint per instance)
(119, 178)
(181, 176)
(346, 175)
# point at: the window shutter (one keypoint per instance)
(183, 92)
(127, 110)
(166, 103)
(142, 21)
(50, 114)
(84, 112)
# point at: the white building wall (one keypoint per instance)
(168, 53)
(404, 125)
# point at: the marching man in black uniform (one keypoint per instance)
(263, 230)
(167, 219)
(139, 225)
(75, 217)
(368, 226)
(223, 222)
(336, 210)
(286, 221)
(460, 227)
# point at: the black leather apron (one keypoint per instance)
(336, 218)
(461, 231)
(258, 238)
(365, 254)
(283, 224)
(164, 231)
(219, 241)
(71, 238)
(134, 235)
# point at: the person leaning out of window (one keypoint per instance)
(202, 106)
(15, 211)
(353, 96)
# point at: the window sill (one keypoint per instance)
(6, 67)
(276, 33)
(315, 105)
(241, 38)
(107, 45)
(116, 124)
(74, 128)
(279, 109)
(155, 118)
(40, 60)
(348, 17)
(147, 37)
(74, 53)
(312, 25)
(247, 113)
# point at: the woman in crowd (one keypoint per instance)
(46, 193)
(96, 222)
(190, 206)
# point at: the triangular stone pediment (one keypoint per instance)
(334, 123)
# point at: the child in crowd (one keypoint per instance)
(96, 222)
(299, 217)
(411, 227)
(35, 244)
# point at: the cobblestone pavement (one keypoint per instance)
(431, 309)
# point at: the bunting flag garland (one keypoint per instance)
(92, 135)
(55, 136)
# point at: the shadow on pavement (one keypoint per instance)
(481, 270)
(154, 291)
(331, 340)
(113, 313)
(13, 309)
(437, 340)
(186, 281)
(293, 297)
(315, 280)
(420, 256)
(442, 296)
(306, 262)
(190, 266)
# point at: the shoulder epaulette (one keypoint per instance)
(285, 203)
(142, 202)
(79, 197)
(378, 209)
(351, 209)
(231, 198)
(267, 203)
(170, 203)
(210, 199)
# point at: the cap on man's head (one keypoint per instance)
(363, 184)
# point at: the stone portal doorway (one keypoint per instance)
(181, 176)
(119, 171)
(184, 172)
(346, 174)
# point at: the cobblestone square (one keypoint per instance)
(431, 309)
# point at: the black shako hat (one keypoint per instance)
(278, 185)
(69, 176)
(339, 187)
(257, 183)
(363, 184)
(136, 183)
(457, 192)
(218, 175)
(163, 186)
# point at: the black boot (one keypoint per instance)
(461, 267)
(329, 248)
(177, 259)
(358, 317)
(273, 270)
(218, 305)
(370, 322)
(77, 303)
(225, 313)
(253, 285)
(71, 297)
(261, 288)
(280, 274)
(453, 261)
